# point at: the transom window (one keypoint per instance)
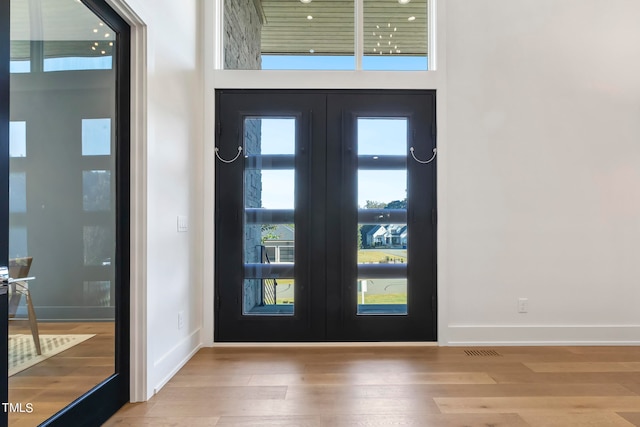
(326, 34)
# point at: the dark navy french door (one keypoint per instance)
(325, 216)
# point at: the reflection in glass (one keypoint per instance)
(96, 137)
(395, 35)
(269, 225)
(17, 192)
(61, 214)
(17, 139)
(97, 293)
(382, 296)
(96, 190)
(18, 242)
(98, 245)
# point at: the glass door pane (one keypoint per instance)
(66, 218)
(382, 215)
(269, 220)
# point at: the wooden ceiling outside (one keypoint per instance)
(331, 31)
(67, 27)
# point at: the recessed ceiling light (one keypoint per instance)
(411, 18)
(311, 51)
(309, 17)
(308, 1)
(401, 1)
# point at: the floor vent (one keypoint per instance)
(482, 353)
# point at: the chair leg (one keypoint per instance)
(33, 322)
(14, 300)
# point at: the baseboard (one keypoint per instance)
(535, 335)
(172, 361)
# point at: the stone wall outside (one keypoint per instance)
(242, 35)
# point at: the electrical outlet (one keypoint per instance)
(180, 319)
(523, 305)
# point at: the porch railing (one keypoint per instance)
(269, 286)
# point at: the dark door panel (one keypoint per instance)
(349, 254)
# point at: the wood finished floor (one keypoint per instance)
(391, 386)
(55, 382)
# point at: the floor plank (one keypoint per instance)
(538, 404)
(391, 386)
(632, 417)
(604, 419)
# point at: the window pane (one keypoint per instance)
(96, 190)
(91, 51)
(276, 34)
(18, 242)
(96, 137)
(20, 55)
(382, 216)
(98, 245)
(79, 63)
(277, 135)
(97, 293)
(17, 192)
(269, 225)
(382, 136)
(387, 189)
(382, 296)
(17, 139)
(395, 35)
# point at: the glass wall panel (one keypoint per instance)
(62, 203)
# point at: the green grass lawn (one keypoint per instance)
(384, 298)
(368, 299)
(379, 255)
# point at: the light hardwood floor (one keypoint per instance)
(55, 382)
(408, 386)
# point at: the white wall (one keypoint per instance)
(172, 165)
(539, 171)
(543, 171)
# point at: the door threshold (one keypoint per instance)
(326, 344)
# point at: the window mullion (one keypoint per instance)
(359, 32)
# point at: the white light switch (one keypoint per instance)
(183, 223)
